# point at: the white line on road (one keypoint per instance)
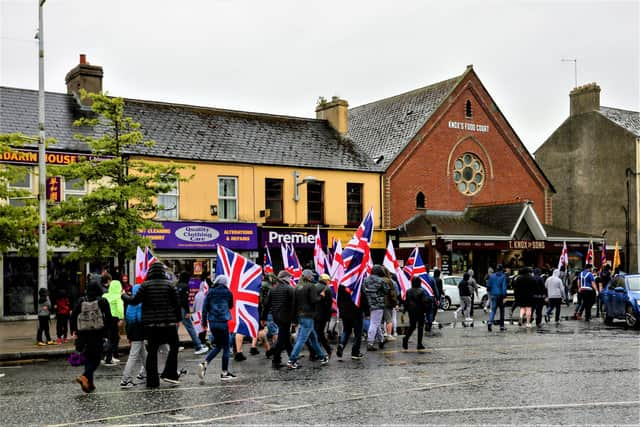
(512, 408)
(304, 406)
(183, 408)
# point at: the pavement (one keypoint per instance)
(18, 342)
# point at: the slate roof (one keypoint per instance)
(490, 221)
(386, 126)
(629, 120)
(200, 133)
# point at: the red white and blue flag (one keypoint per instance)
(336, 272)
(357, 258)
(589, 258)
(267, 265)
(416, 268)
(603, 255)
(319, 258)
(291, 262)
(144, 259)
(564, 257)
(391, 263)
(245, 279)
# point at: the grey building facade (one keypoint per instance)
(593, 160)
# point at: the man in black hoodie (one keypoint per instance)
(351, 316)
(160, 317)
(279, 302)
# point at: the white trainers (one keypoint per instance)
(202, 350)
(202, 369)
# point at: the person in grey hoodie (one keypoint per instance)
(555, 293)
(375, 288)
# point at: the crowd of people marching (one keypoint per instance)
(152, 312)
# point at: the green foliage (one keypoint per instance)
(18, 220)
(122, 191)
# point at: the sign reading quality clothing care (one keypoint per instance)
(203, 235)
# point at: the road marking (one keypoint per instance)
(291, 408)
(183, 408)
(511, 408)
(145, 390)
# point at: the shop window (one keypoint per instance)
(20, 183)
(468, 113)
(468, 174)
(228, 198)
(354, 204)
(420, 200)
(74, 188)
(315, 203)
(168, 204)
(273, 200)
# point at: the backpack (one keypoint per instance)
(90, 317)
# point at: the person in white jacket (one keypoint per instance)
(555, 294)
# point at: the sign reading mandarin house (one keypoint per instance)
(30, 157)
(203, 235)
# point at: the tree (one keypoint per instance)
(18, 207)
(122, 191)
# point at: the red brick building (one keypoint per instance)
(448, 153)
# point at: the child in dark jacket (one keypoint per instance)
(90, 342)
(44, 314)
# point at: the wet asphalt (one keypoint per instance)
(566, 374)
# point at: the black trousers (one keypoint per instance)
(62, 323)
(588, 298)
(43, 327)
(155, 337)
(537, 306)
(113, 334)
(284, 341)
(349, 326)
(320, 327)
(416, 319)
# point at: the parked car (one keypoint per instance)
(452, 295)
(621, 300)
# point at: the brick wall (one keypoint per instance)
(426, 164)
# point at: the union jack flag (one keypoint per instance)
(416, 268)
(336, 272)
(267, 265)
(391, 264)
(332, 250)
(291, 262)
(143, 262)
(245, 278)
(357, 258)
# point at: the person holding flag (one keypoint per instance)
(352, 321)
(376, 288)
(216, 311)
(279, 304)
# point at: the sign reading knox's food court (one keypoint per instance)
(203, 235)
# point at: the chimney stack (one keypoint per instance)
(584, 99)
(336, 112)
(84, 76)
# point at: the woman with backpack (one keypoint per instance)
(91, 314)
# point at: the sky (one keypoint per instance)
(278, 57)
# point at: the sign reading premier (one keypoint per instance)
(298, 237)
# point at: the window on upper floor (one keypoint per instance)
(74, 188)
(468, 112)
(315, 203)
(273, 200)
(168, 204)
(420, 200)
(354, 204)
(22, 182)
(228, 198)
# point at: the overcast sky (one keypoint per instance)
(279, 56)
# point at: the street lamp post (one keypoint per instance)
(42, 167)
